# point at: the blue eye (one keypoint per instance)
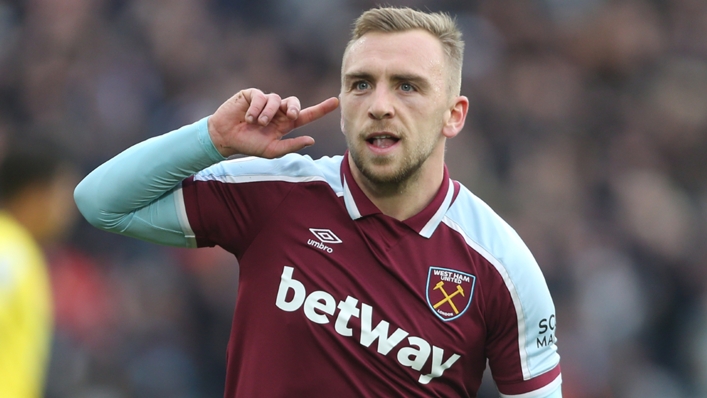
(407, 87)
(361, 85)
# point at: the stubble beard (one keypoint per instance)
(398, 179)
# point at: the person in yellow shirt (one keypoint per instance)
(36, 207)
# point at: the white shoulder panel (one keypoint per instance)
(289, 168)
(493, 238)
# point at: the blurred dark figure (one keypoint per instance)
(36, 209)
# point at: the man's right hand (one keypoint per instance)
(253, 123)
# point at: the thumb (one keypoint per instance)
(281, 148)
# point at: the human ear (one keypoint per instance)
(456, 117)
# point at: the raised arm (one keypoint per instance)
(135, 192)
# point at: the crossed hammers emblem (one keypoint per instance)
(448, 297)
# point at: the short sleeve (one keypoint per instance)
(518, 309)
(521, 349)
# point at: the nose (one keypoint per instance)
(381, 106)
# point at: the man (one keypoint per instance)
(35, 209)
(371, 274)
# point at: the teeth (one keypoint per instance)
(382, 141)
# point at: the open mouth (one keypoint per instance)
(382, 141)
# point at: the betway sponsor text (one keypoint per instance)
(320, 307)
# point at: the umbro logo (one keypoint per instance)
(324, 236)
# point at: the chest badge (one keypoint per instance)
(449, 292)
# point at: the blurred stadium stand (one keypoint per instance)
(587, 132)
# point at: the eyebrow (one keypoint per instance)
(358, 76)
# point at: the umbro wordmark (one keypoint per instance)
(324, 236)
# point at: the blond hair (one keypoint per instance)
(440, 25)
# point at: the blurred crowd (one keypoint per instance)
(587, 132)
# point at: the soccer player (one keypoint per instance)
(371, 274)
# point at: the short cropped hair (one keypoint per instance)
(440, 25)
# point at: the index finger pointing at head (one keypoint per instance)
(315, 112)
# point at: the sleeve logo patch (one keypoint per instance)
(449, 292)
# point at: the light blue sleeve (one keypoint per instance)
(497, 242)
(138, 192)
(555, 394)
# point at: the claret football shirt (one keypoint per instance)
(337, 299)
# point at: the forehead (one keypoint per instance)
(413, 51)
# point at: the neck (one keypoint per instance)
(407, 198)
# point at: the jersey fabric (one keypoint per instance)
(335, 298)
(25, 312)
(338, 299)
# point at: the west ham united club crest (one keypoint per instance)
(449, 292)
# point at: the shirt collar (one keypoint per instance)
(425, 222)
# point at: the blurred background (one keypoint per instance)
(587, 132)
